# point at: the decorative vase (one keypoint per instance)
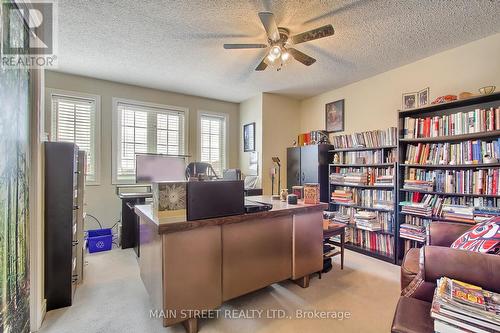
(283, 194)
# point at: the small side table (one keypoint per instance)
(335, 229)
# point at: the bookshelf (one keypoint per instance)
(376, 160)
(448, 155)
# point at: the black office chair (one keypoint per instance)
(201, 170)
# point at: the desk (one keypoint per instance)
(198, 265)
(130, 222)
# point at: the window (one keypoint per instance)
(76, 118)
(212, 134)
(145, 128)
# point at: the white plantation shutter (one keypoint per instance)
(213, 141)
(146, 129)
(74, 120)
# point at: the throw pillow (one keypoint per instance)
(483, 237)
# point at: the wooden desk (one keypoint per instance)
(198, 265)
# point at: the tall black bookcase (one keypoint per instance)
(334, 206)
(467, 105)
(63, 252)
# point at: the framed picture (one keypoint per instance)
(410, 101)
(334, 116)
(423, 97)
(249, 137)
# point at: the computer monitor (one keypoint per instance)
(158, 168)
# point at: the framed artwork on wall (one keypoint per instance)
(249, 137)
(423, 97)
(334, 116)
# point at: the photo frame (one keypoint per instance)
(334, 116)
(249, 137)
(410, 101)
(423, 97)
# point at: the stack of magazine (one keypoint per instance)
(462, 307)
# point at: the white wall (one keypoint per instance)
(281, 125)
(373, 103)
(251, 112)
(102, 201)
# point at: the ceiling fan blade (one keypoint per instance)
(269, 23)
(262, 65)
(318, 33)
(302, 57)
(245, 46)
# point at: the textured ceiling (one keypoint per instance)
(177, 45)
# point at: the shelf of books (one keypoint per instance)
(448, 167)
(362, 191)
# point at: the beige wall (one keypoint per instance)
(102, 201)
(281, 125)
(373, 103)
(251, 112)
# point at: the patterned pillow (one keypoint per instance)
(483, 237)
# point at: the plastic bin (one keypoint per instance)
(99, 240)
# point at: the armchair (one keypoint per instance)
(435, 261)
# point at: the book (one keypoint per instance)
(473, 121)
(368, 139)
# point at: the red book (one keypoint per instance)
(427, 127)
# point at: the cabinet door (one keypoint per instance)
(292, 167)
(309, 164)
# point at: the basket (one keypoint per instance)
(99, 240)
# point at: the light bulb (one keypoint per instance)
(271, 58)
(285, 56)
(275, 51)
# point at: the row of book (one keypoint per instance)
(372, 241)
(482, 181)
(476, 121)
(369, 139)
(407, 244)
(478, 202)
(466, 152)
(367, 220)
(362, 197)
(367, 157)
(363, 176)
(461, 307)
(447, 208)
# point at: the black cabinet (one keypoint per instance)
(308, 164)
(61, 211)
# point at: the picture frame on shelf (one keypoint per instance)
(249, 137)
(423, 97)
(334, 116)
(410, 101)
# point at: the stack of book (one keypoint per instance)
(458, 213)
(377, 138)
(342, 196)
(367, 221)
(349, 178)
(419, 185)
(416, 208)
(474, 121)
(413, 232)
(462, 307)
(466, 152)
(384, 180)
(338, 174)
(485, 213)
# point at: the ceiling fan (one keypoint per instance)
(280, 43)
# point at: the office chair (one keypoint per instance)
(201, 170)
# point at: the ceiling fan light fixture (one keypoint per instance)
(285, 56)
(275, 51)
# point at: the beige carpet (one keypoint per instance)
(113, 299)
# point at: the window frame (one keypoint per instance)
(223, 115)
(115, 130)
(97, 131)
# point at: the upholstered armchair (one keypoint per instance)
(433, 262)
